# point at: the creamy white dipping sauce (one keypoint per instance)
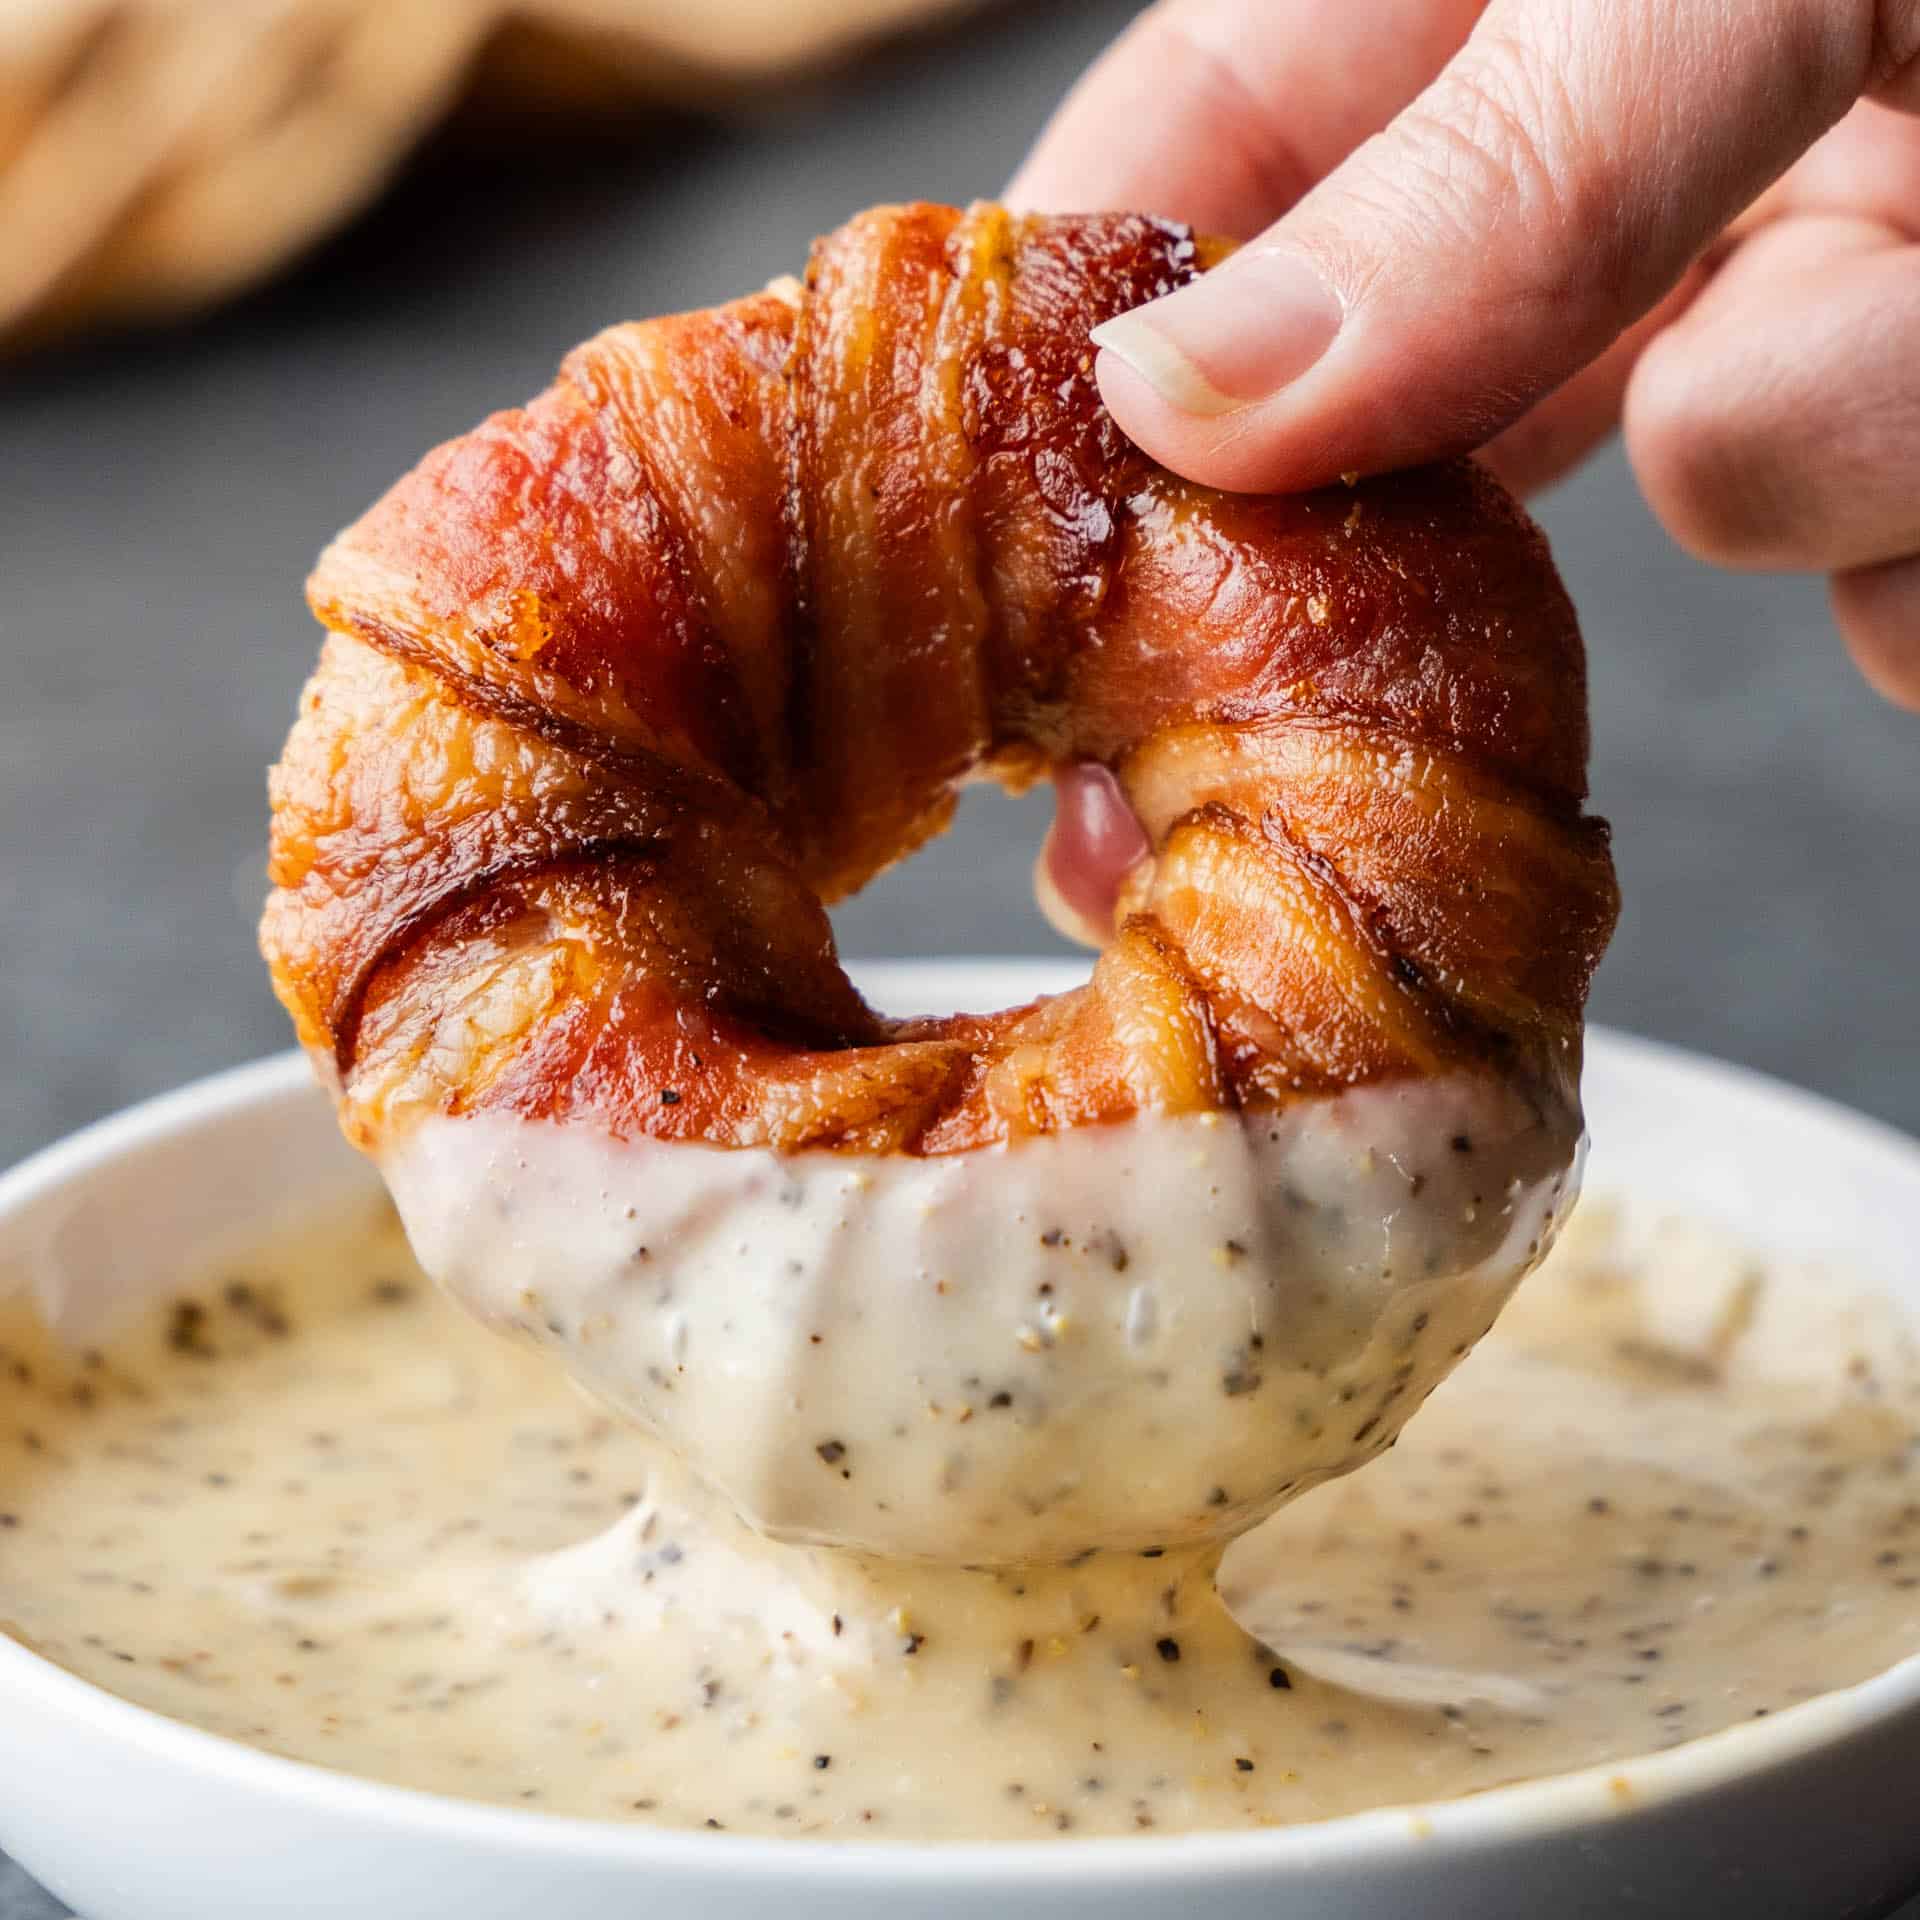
(314, 1508)
(1139, 1335)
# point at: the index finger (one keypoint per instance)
(1223, 114)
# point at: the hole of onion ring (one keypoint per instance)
(1094, 843)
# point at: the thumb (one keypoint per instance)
(1541, 195)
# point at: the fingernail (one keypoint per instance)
(1233, 337)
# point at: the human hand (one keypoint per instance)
(1514, 225)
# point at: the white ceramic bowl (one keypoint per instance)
(1812, 1812)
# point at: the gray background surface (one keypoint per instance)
(161, 497)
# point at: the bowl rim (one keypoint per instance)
(1530, 1809)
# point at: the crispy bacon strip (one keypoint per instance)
(621, 686)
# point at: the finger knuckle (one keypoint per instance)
(1702, 464)
(1501, 141)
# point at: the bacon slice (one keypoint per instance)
(621, 686)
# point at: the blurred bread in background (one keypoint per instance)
(159, 155)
